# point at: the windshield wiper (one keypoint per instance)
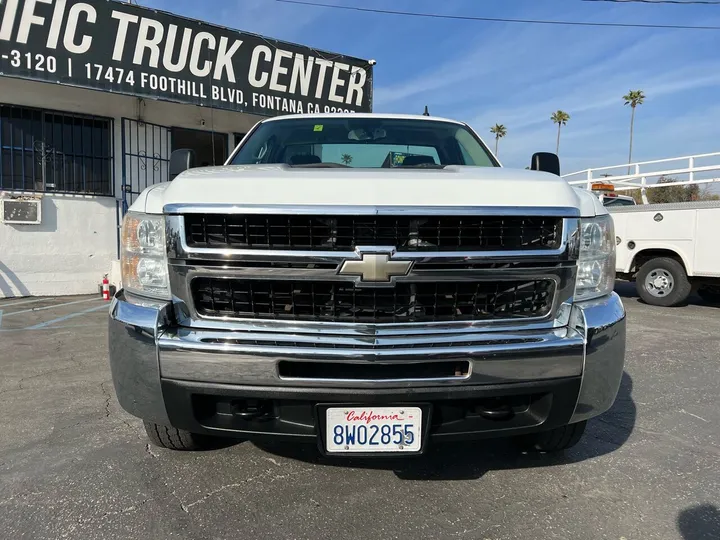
(423, 166)
(320, 166)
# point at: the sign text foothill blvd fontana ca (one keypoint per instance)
(121, 48)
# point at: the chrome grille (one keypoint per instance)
(271, 269)
(337, 301)
(345, 232)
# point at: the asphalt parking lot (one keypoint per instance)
(74, 465)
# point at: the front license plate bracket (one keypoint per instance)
(321, 412)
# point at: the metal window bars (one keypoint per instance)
(146, 151)
(51, 151)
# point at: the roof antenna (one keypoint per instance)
(426, 113)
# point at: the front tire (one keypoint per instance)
(176, 439)
(555, 440)
(663, 282)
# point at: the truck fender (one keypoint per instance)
(645, 250)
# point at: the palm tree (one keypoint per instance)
(346, 159)
(633, 98)
(560, 118)
(499, 131)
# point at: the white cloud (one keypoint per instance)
(264, 17)
(269, 18)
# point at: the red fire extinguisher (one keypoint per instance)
(105, 288)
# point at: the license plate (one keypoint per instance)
(373, 429)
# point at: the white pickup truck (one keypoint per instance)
(669, 250)
(369, 284)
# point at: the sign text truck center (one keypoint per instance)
(128, 86)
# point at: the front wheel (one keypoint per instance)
(663, 282)
(555, 440)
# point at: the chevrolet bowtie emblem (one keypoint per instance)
(375, 267)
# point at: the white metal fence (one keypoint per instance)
(643, 175)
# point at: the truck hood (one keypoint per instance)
(284, 185)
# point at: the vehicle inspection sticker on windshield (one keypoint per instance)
(318, 127)
(373, 429)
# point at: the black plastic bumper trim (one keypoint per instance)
(181, 400)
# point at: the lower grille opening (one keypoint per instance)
(526, 409)
(299, 417)
(244, 409)
(373, 372)
(344, 302)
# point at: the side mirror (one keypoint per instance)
(545, 162)
(181, 161)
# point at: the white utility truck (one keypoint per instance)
(669, 250)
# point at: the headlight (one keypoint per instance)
(596, 262)
(142, 257)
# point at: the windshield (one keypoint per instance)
(363, 143)
(615, 201)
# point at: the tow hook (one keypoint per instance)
(503, 412)
(252, 409)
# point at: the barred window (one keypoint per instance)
(55, 152)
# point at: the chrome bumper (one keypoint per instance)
(146, 347)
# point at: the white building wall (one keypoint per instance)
(67, 253)
(76, 243)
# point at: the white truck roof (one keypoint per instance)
(363, 115)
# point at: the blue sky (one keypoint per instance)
(518, 74)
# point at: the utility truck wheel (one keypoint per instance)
(176, 439)
(555, 440)
(663, 282)
(710, 293)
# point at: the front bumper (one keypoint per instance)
(194, 378)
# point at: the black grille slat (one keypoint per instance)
(344, 233)
(344, 302)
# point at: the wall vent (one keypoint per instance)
(22, 211)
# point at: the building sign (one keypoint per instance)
(122, 48)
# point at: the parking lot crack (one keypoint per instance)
(186, 507)
(127, 510)
(108, 412)
(133, 428)
(108, 397)
(694, 415)
(49, 372)
(265, 474)
(122, 511)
